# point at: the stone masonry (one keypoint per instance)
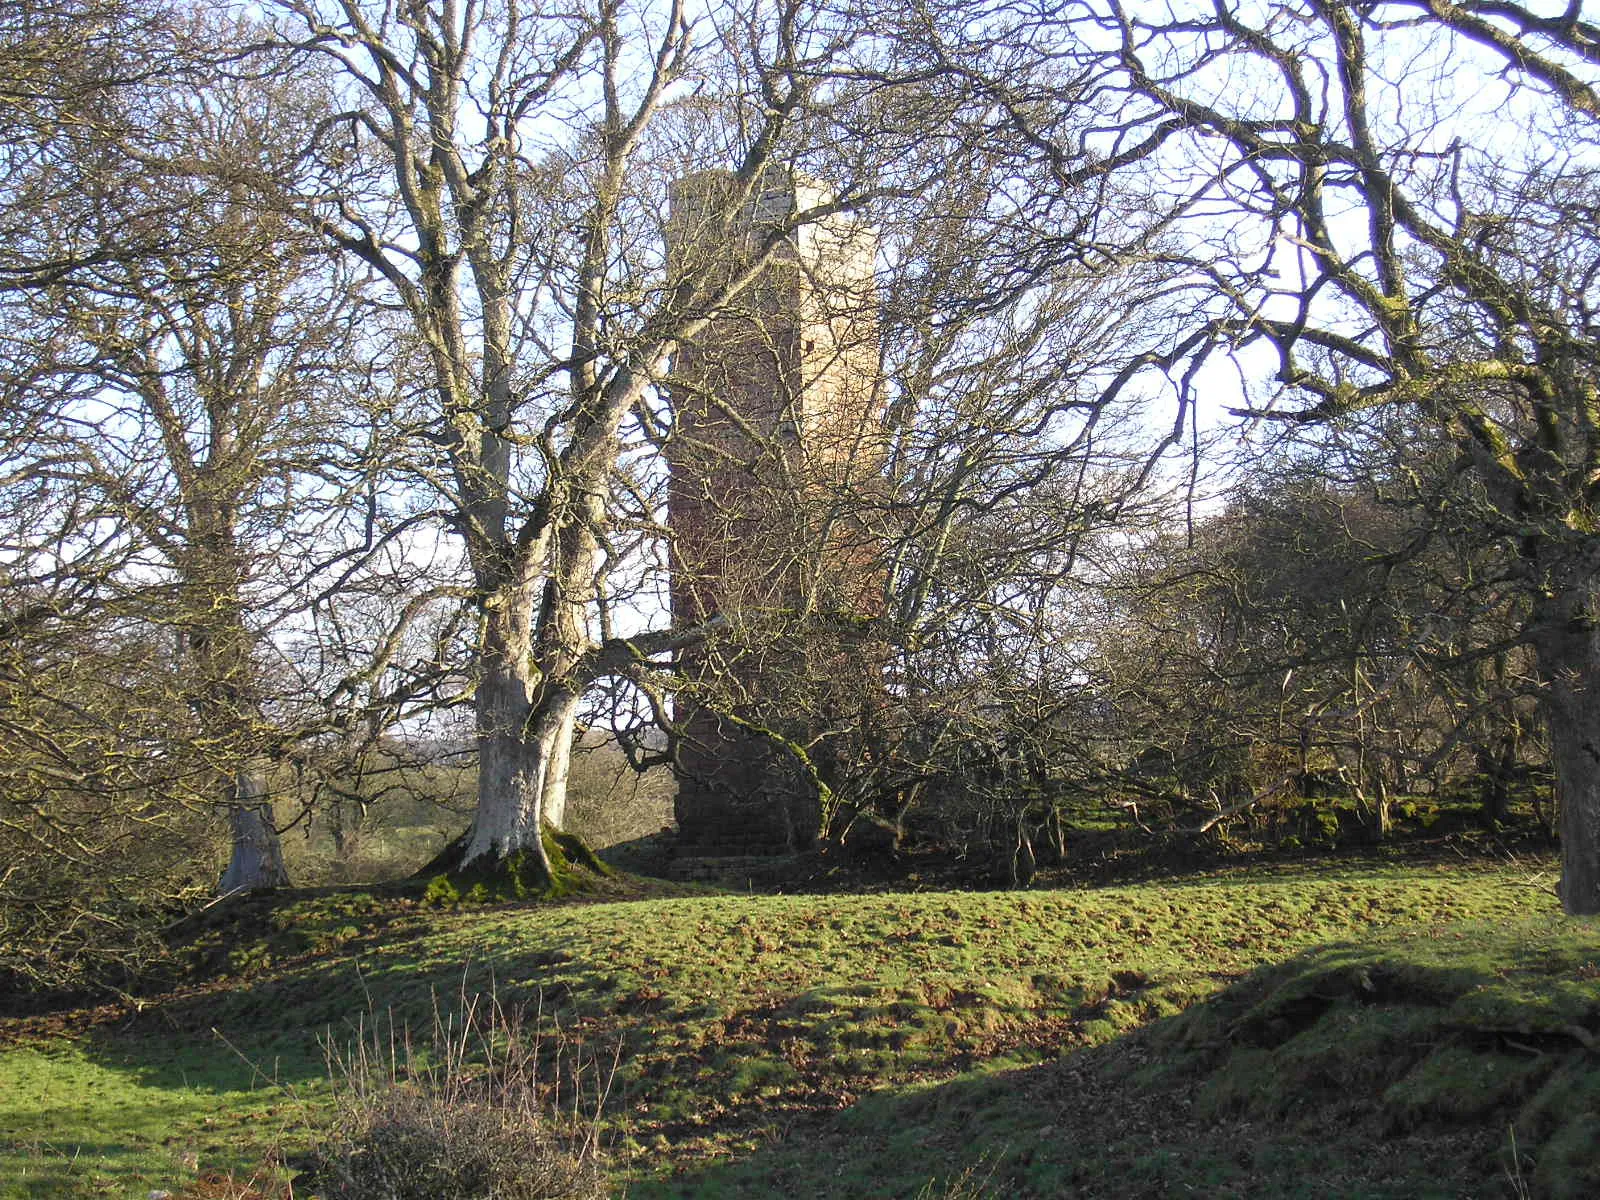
(775, 420)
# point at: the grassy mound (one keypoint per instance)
(1453, 1060)
(830, 1045)
(1488, 1033)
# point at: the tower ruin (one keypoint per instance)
(775, 432)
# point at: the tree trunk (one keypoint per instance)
(1575, 751)
(1024, 864)
(514, 761)
(560, 771)
(1382, 823)
(336, 828)
(526, 719)
(528, 693)
(1495, 770)
(1568, 645)
(257, 859)
(228, 711)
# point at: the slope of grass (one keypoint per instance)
(745, 1023)
(1482, 1030)
(93, 1119)
(1452, 1060)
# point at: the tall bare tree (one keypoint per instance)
(527, 152)
(185, 398)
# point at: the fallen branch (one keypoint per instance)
(1249, 802)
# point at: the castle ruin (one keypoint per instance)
(775, 436)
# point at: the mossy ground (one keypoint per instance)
(866, 1044)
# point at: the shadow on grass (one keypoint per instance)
(119, 1119)
(1076, 1126)
(1386, 1069)
(84, 1169)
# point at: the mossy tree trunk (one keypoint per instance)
(534, 661)
(256, 859)
(516, 747)
(221, 663)
(1566, 635)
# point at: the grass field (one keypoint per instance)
(1354, 1028)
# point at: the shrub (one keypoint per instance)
(483, 1110)
(608, 802)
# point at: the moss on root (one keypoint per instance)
(574, 869)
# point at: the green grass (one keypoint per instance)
(109, 1117)
(841, 1045)
(1394, 1066)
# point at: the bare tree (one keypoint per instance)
(96, 850)
(527, 155)
(185, 399)
(70, 69)
(1396, 200)
(1339, 630)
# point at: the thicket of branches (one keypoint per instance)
(338, 377)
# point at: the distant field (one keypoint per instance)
(883, 1044)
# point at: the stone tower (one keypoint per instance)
(775, 432)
